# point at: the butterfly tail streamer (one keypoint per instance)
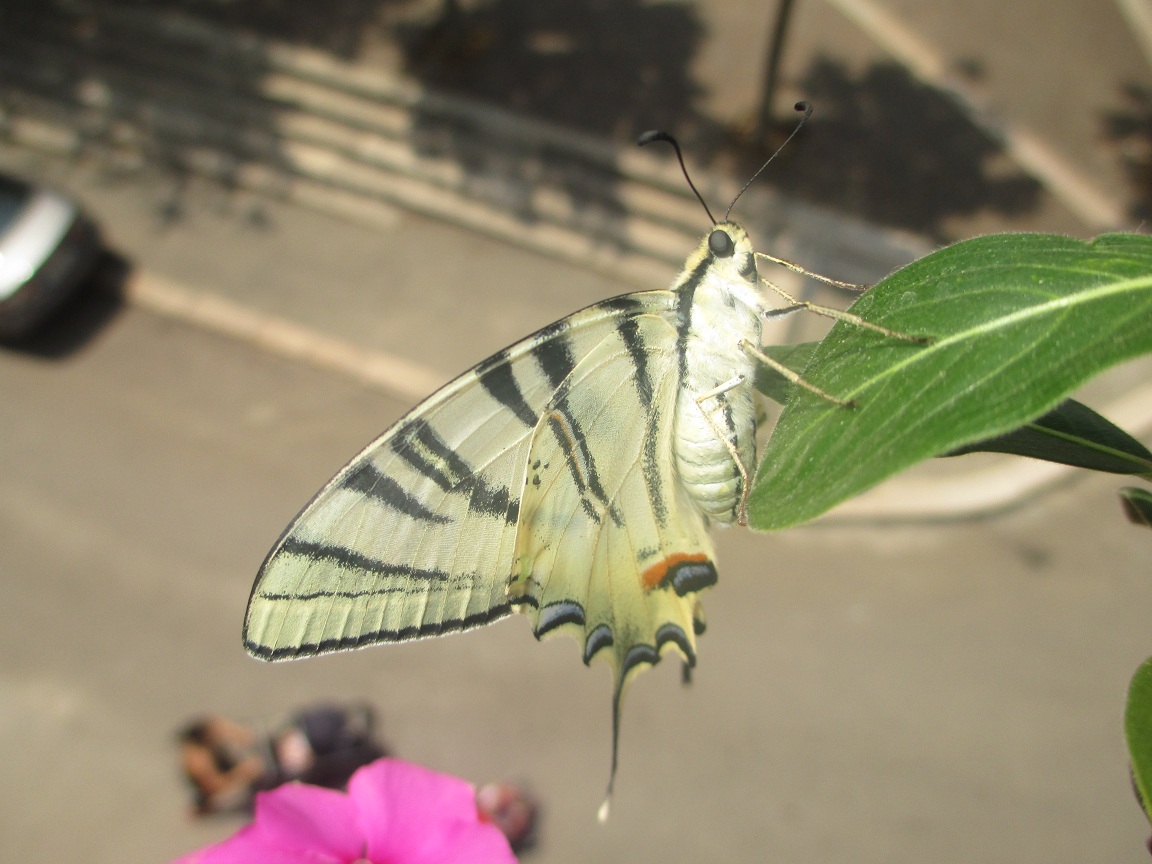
(617, 705)
(617, 698)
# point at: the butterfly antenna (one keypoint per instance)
(657, 135)
(800, 106)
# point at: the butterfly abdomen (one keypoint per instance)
(715, 412)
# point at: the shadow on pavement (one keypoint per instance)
(612, 69)
(890, 150)
(339, 27)
(1131, 128)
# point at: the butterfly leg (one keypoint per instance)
(795, 377)
(796, 268)
(796, 304)
(719, 389)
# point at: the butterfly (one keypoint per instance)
(572, 477)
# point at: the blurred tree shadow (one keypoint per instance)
(608, 67)
(154, 93)
(80, 68)
(1131, 129)
(339, 27)
(605, 68)
(885, 147)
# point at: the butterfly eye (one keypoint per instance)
(721, 244)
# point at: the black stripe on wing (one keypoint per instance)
(629, 332)
(418, 444)
(496, 377)
(553, 354)
(580, 461)
(342, 556)
(429, 455)
(372, 637)
(685, 296)
(368, 481)
(650, 458)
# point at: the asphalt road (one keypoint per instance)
(947, 692)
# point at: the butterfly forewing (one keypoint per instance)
(417, 536)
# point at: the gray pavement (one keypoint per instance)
(948, 691)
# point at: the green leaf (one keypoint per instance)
(1071, 434)
(1019, 321)
(1137, 505)
(770, 382)
(1138, 733)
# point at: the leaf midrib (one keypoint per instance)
(1068, 301)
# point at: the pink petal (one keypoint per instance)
(297, 817)
(466, 842)
(294, 824)
(244, 847)
(411, 815)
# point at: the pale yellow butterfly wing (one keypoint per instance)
(416, 536)
(609, 546)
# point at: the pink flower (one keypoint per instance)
(393, 813)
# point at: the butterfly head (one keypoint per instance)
(731, 255)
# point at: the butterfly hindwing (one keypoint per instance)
(609, 547)
(417, 535)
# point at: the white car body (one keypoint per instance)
(31, 238)
(47, 248)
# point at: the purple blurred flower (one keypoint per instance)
(393, 813)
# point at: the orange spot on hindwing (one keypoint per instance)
(683, 572)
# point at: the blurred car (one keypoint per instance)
(47, 249)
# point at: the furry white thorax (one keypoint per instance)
(726, 309)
